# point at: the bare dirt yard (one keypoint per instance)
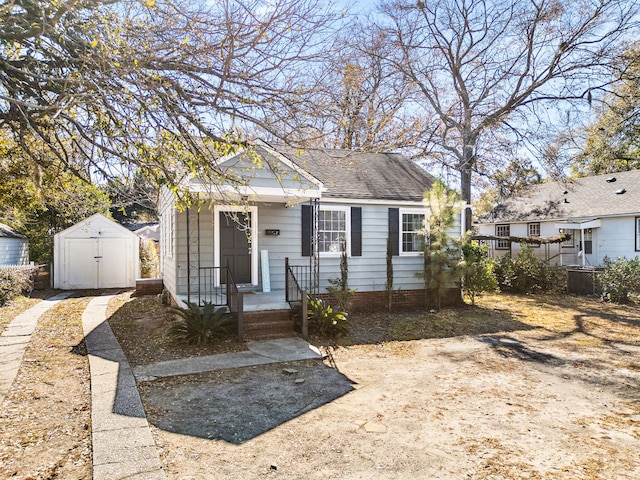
(517, 387)
(535, 387)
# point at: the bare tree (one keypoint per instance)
(613, 140)
(481, 65)
(103, 85)
(356, 102)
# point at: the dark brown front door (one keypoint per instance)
(235, 251)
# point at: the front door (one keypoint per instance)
(235, 250)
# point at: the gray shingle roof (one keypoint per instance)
(576, 198)
(7, 232)
(362, 175)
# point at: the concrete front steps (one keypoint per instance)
(268, 324)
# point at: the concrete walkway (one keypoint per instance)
(17, 336)
(260, 353)
(123, 446)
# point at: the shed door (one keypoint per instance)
(235, 250)
(113, 262)
(96, 263)
(81, 268)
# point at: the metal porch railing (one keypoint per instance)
(216, 285)
(235, 302)
(297, 277)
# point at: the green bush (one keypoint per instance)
(620, 279)
(339, 290)
(14, 283)
(478, 270)
(525, 273)
(199, 324)
(149, 260)
(324, 320)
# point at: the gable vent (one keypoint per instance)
(621, 191)
(611, 180)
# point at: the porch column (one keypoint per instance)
(583, 250)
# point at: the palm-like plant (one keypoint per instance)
(324, 320)
(198, 324)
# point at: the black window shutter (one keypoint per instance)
(394, 230)
(356, 231)
(307, 228)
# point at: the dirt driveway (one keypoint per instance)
(539, 388)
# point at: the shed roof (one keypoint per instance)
(614, 194)
(7, 232)
(97, 220)
(362, 175)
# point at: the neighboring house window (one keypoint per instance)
(333, 229)
(533, 230)
(588, 241)
(503, 231)
(637, 233)
(570, 242)
(412, 231)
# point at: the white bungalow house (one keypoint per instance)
(280, 218)
(14, 247)
(601, 215)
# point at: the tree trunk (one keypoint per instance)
(465, 184)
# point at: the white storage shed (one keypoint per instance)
(14, 247)
(95, 253)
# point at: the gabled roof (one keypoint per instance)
(259, 173)
(607, 195)
(7, 232)
(362, 175)
(95, 221)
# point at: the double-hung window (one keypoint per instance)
(167, 220)
(503, 231)
(533, 230)
(412, 231)
(587, 235)
(333, 230)
(569, 242)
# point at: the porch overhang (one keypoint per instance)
(579, 225)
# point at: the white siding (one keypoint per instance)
(14, 251)
(616, 237)
(166, 212)
(366, 272)
(287, 244)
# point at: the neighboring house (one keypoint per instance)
(281, 204)
(14, 247)
(601, 215)
(149, 231)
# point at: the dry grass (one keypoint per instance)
(45, 418)
(588, 320)
(14, 308)
(140, 324)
